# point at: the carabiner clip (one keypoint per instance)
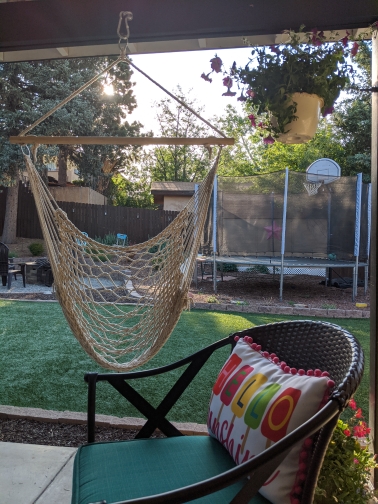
(126, 16)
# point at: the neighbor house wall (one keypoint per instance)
(175, 203)
(78, 195)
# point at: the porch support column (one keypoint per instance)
(373, 410)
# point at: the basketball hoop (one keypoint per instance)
(312, 187)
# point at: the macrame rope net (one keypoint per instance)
(122, 303)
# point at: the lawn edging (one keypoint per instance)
(70, 417)
(261, 309)
(284, 310)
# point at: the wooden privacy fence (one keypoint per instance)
(139, 224)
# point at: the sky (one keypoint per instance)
(184, 69)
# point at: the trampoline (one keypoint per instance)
(286, 221)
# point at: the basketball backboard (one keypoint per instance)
(323, 170)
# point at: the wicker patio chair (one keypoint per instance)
(102, 472)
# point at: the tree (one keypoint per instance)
(28, 90)
(187, 163)
(136, 194)
(352, 119)
(243, 158)
(16, 112)
(298, 157)
(250, 156)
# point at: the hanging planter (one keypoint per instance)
(277, 79)
(308, 112)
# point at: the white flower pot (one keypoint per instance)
(308, 112)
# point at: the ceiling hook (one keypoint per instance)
(124, 16)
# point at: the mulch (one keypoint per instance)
(57, 434)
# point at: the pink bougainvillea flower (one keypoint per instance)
(358, 431)
(367, 429)
(216, 64)
(315, 39)
(227, 81)
(261, 125)
(274, 49)
(206, 77)
(347, 432)
(361, 430)
(269, 140)
(345, 39)
(354, 50)
(352, 404)
(251, 93)
(328, 110)
(355, 461)
(358, 413)
(242, 98)
(252, 118)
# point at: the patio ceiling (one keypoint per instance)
(49, 29)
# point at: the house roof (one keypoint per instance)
(173, 188)
(50, 29)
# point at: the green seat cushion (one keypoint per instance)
(130, 469)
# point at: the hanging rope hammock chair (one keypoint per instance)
(122, 303)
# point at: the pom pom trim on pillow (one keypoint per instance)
(257, 400)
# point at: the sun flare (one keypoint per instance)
(108, 89)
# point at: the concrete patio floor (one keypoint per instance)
(35, 474)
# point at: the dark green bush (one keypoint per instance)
(259, 268)
(227, 267)
(109, 239)
(36, 249)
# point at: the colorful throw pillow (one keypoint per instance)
(256, 401)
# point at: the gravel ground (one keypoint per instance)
(252, 289)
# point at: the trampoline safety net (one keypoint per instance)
(250, 217)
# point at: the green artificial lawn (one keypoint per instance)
(42, 365)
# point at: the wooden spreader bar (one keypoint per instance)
(93, 140)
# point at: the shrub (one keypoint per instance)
(36, 249)
(97, 254)
(259, 268)
(227, 267)
(345, 473)
(12, 254)
(109, 239)
(212, 299)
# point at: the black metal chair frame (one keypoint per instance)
(305, 344)
(8, 270)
